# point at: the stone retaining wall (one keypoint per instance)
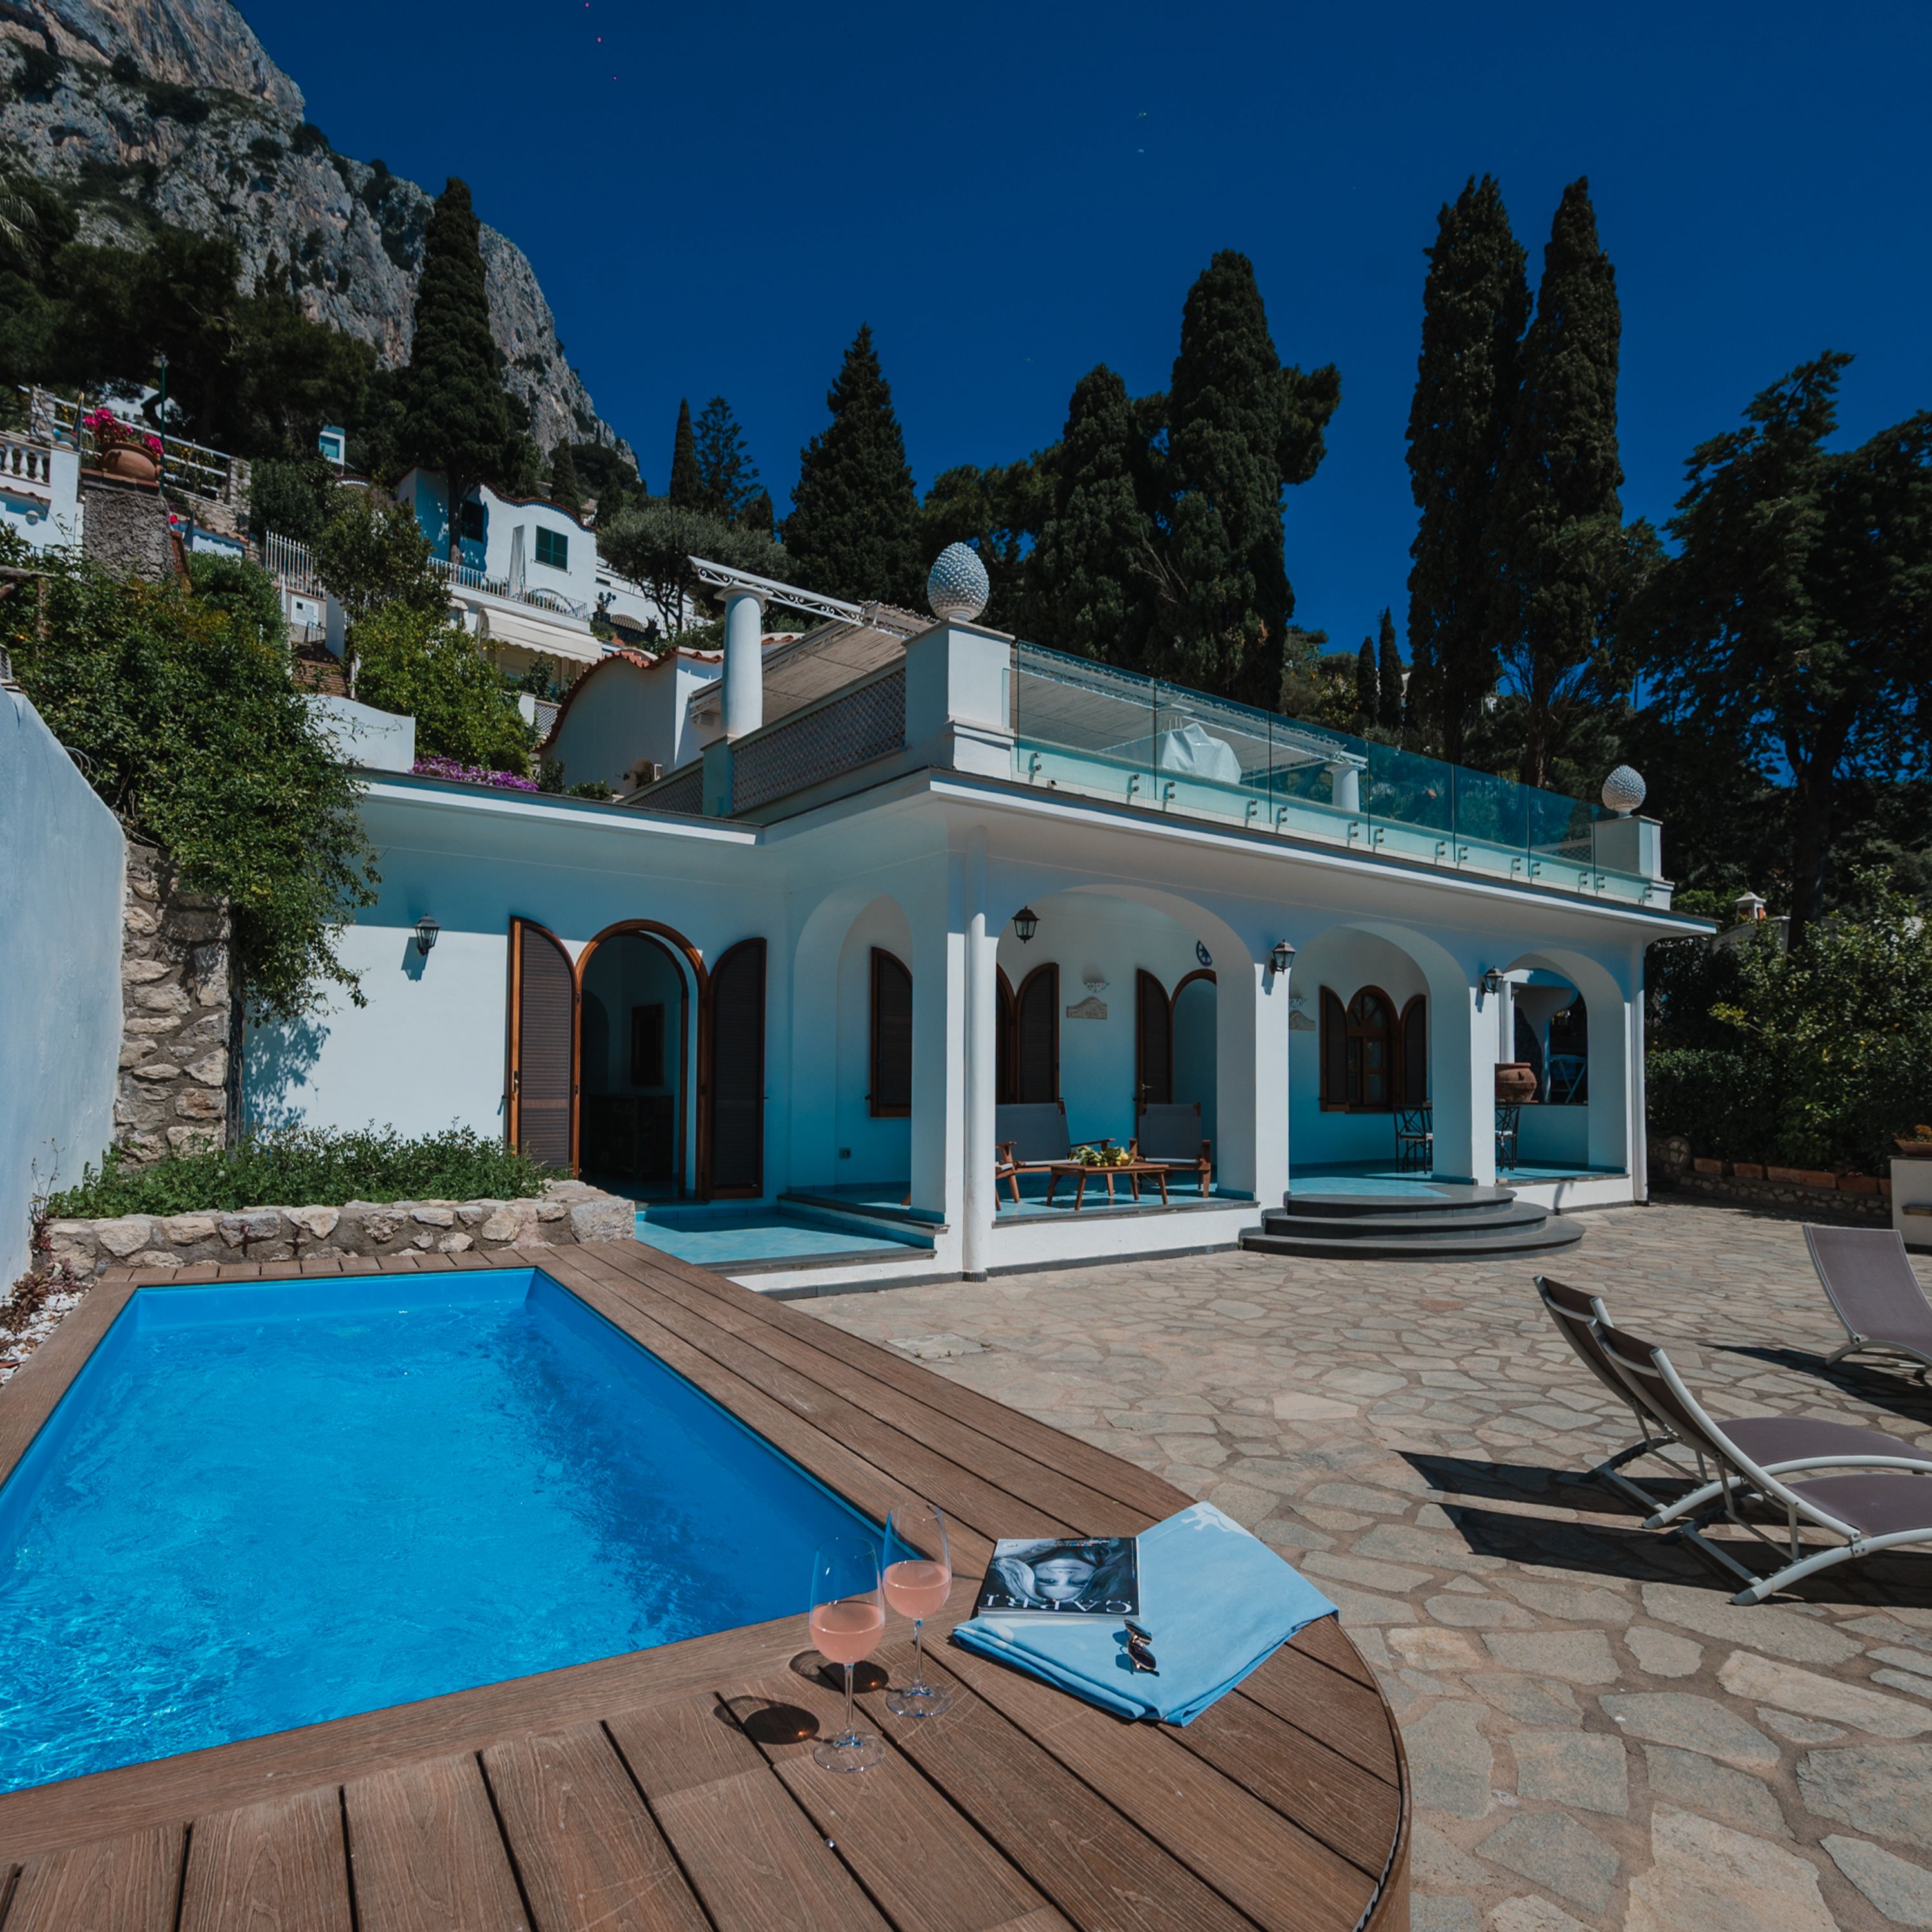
(568, 1212)
(1864, 1198)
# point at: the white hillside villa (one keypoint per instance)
(897, 899)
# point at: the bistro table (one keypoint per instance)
(1131, 1170)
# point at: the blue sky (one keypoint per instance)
(716, 196)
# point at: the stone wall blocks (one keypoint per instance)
(181, 1229)
(125, 1234)
(155, 1258)
(200, 1103)
(161, 999)
(134, 1052)
(552, 1211)
(156, 1070)
(211, 1069)
(142, 972)
(434, 1216)
(607, 1220)
(456, 1244)
(504, 1224)
(142, 1024)
(193, 1140)
(315, 1223)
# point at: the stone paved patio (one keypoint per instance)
(1597, 1738)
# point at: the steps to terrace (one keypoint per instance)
(1439, 1221)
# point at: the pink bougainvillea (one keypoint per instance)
(107, 428)
(449, 768)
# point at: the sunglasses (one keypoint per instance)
(1140, 1648)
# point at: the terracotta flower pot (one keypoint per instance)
(1516, 1082)
(130, 462)
(1915, 1149)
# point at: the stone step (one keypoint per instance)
(1552, 1230)
(1472, 1221)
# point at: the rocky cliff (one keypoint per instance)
(147, 111)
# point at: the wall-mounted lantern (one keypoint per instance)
(1493, 981)
(1026, 923)
(1283, 957)
(427, 929)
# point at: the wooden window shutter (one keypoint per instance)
(543, 1047)
(891, 1037)
(1334, 1051)
(737, 1038)
(1039, 1035)
(1153, 1041)
(1006, 1045)
(1414, 1058)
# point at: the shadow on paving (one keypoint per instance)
(1528, 1483)
(1894, 1389)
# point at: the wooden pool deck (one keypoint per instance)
(672, 1790)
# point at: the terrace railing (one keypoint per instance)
(1088, 728)
(192, 467)
(292, 564)
(467, 577)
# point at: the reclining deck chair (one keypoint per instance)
(1867, 1277)
(1168, 1134)
(1886, 1505)
(1775, 1442)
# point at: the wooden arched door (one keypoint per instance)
(734, 1078)
(1153, 1041)
(1036, 1036)
(542, 1120)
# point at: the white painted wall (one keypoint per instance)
(46, 518)
(622, 712)
(879, 1149)
(62, 873)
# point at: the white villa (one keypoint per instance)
(899, 875)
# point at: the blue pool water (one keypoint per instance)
(264, 1505)
(712, 1237)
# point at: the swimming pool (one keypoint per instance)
(266, 1504)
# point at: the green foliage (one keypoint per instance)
(291, 496)
(1793, 627)
(757, 518)
(1475, 301)
(181, 708)
(370, 552)
(306, 1167)
(250, 596)
(854, 530)
(456, 418)
(998, 511)
(727, 478)
(1368, 687)
(1240, 426)
(411, 664)
(687, 481)
(1557, 520)
(653, 545)
(609, 477)
(1389, 676)
(1813, 1058)
(564, 491)
(39, 71)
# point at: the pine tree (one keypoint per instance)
(456, 416)
(1475, 301)
(1240, 426)
(1559, 541)
(687, 486)
(1389, 714)
(1368, 687)
(564, 492)
(854, 530)
(727, 478)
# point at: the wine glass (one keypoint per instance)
(918, 1575)
(847, 1620)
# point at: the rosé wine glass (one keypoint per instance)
(847, 1620)
(917, 1576)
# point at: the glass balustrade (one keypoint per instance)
(1091, 729)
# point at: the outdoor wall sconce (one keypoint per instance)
(1026, 923)
(1283, 957)
(427, 929)
(1493, 981)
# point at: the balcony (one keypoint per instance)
(467, 577)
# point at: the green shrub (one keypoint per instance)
(305, 1167)
(413, 664)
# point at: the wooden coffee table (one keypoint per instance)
(1132, 1171)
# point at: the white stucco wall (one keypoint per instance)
(868, 1149)
(62, 864)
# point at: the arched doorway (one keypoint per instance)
(633, 1066)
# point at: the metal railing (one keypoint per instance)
(186, 465)
(292, 564)
(467, 577)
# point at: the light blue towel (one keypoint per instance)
(1218, 1601)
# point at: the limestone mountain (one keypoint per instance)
(143, 112)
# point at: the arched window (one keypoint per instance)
(1360, 1065)
(1036, 1033)
(891, 1097)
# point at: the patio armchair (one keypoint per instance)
(1029, 1138)
(1414, 1138)
(1874, 1497)
(1867, 1277)
(1167, 1135)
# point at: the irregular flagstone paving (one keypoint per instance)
(1597, 1737)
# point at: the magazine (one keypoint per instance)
(1062, 1576)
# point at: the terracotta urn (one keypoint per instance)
(1914, 1150)
(130, 462)
(1515, 1082)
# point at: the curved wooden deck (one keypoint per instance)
(670, 1788)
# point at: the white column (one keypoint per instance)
(936, 914)
(744, 699)
(1344, 785)
(976, 1190)
(1251, 1079)
(1463, 1077)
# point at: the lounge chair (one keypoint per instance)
(1777, 1441)
(1868, 1279)
(1167, 1135)
(1029, 1137)
(1887, 1504)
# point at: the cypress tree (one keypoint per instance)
(687, 485)
(758, 513)
(854, 530)
(1389, 713)
(456, 417)
(1240, 426)
(564, 491)
(727, 478)
(1368, 687)
(1088, 566)
(1558, 542)
(1475, 301)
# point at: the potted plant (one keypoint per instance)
(132, 454)
(1919, 1146)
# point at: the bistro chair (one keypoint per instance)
(1509, 1119)
(1167, 1135)
(1415, 1139)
